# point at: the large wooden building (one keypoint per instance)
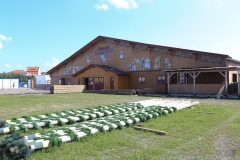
(110, 63)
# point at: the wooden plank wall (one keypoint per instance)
(67, 88)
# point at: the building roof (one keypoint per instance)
(18, 72)
(234, 60)
(91, 44)
(32, 70)
(114, 70)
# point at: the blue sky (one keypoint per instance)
(45, 32)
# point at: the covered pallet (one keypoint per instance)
(67, 89)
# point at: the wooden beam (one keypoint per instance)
(197, 74)
(222, 73)
(150, 130)
(116, 42)
(195, 57)
(171, 53)
(149, 50)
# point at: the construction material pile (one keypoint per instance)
(90, 122)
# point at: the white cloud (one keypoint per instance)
(126, 4)
(120, 4)
(146, 0)
(102, 6)
(1, 45)
(4, 38)
(7, 66)
(53, 64)
(19, 66)
(217, 44)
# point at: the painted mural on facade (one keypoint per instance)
(213, 59)
(76, 69)
(103, 50)
(167, 64)
(157, 64)
(68, 70)
(139, 64)
(183, 54)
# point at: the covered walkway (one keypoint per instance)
(196, 88)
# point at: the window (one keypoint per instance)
(121, 54)
(88, 59)
(59, 81)
(101, 80)
(96, 80)
(90, 81)
(141, 80)
(182, 78)
(161, 79)
(173, 79)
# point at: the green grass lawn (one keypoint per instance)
(207, 131)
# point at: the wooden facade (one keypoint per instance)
(143, 66)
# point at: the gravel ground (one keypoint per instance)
(23, 91)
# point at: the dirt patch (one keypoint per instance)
(228, 102)
(224, 147)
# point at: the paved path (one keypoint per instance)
(23, 91)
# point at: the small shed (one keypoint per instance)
(97, 77)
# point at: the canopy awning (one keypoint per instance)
(207, 69)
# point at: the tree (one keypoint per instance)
(22, 78)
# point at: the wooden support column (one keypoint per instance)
(194, 76)
(226, 83)
(239, 84)
(194, 83)
(168, 78)
(177, 79)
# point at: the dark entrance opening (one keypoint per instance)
(234, 77)
(111, 82)
(89, 83)
(62, 81)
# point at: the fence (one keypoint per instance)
(23, 84)
(9, 83)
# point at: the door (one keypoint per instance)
(99, 83)
(96, 83)
(89, 82)
(62, 81)
(234, 77)
(111, 82)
